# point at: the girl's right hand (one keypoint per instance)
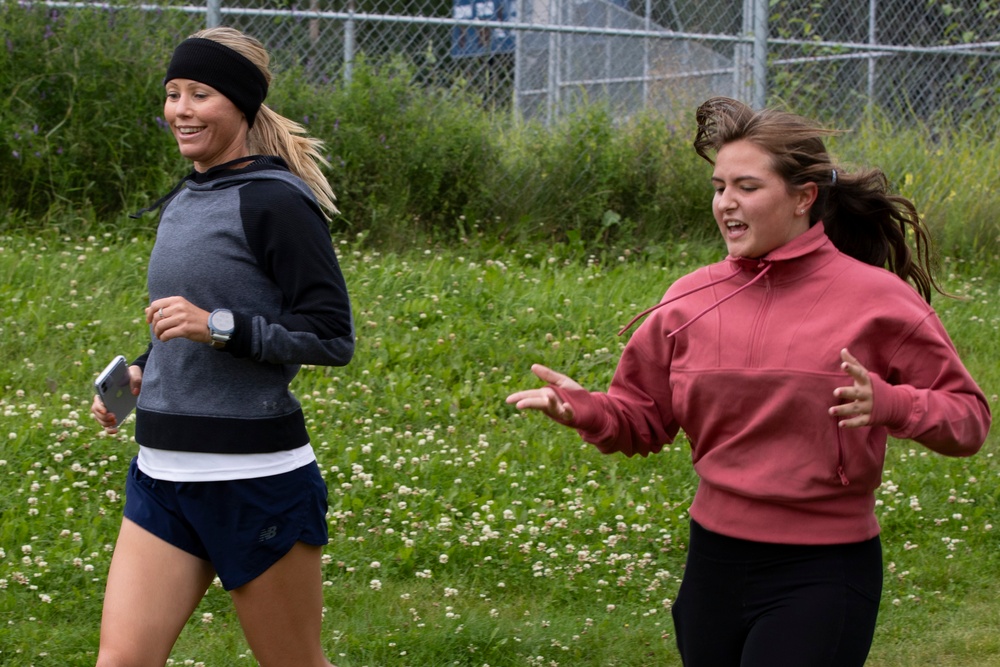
(100, 412)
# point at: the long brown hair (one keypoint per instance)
(861, 217)
(272, 133)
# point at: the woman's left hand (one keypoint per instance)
(176, 317)
(855, 407)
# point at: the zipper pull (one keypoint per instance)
(843, 476)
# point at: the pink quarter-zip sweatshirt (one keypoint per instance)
(744, 356)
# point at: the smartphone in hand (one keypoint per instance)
(112, 385)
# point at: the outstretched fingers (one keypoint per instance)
(545, 399)
(855, 407)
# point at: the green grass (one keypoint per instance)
(500, 539)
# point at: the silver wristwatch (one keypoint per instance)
(221, 326)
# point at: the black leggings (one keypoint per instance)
(752, 604)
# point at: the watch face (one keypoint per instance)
(222, 321)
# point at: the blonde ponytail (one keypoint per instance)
(272, 133)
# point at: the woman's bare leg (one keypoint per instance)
(281, 611)
(153, 588)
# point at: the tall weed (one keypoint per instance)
(80, 94)
(405, 158)
(950, 176)
(591, 180)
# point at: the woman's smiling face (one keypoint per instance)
(756, 210)
(208, 127)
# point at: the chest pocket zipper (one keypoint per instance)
(840, 456)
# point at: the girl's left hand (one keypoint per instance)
(855, 407)
(176, 317)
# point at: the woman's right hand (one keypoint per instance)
(544, 399)
(100, 412)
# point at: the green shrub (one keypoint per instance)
(592, 180)
(950, 176)
(404, 158)
(80, 93)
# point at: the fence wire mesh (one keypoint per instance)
(543, 58)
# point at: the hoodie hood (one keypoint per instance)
(223, 175)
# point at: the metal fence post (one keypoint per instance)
(873, 40)
(518, 61)
(553, 83)
(741, 55)
(647, 24)
(760, 36)
(750, 64)
(213, 13)
(349, 43)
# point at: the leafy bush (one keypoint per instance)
(950, 177)
(403, 158)
(592, 180)
(79, 94)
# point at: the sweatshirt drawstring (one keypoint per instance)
(767, 267)
(159, 202)
(191, 176)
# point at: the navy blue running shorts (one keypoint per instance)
(242, 527)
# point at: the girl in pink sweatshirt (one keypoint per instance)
(787, 365)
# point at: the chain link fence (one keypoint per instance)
(932, 61)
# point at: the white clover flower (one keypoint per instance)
(375, 585)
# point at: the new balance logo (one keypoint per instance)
(267, 533)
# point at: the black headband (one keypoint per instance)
(222, 68)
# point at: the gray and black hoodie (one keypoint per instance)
(252, 240)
